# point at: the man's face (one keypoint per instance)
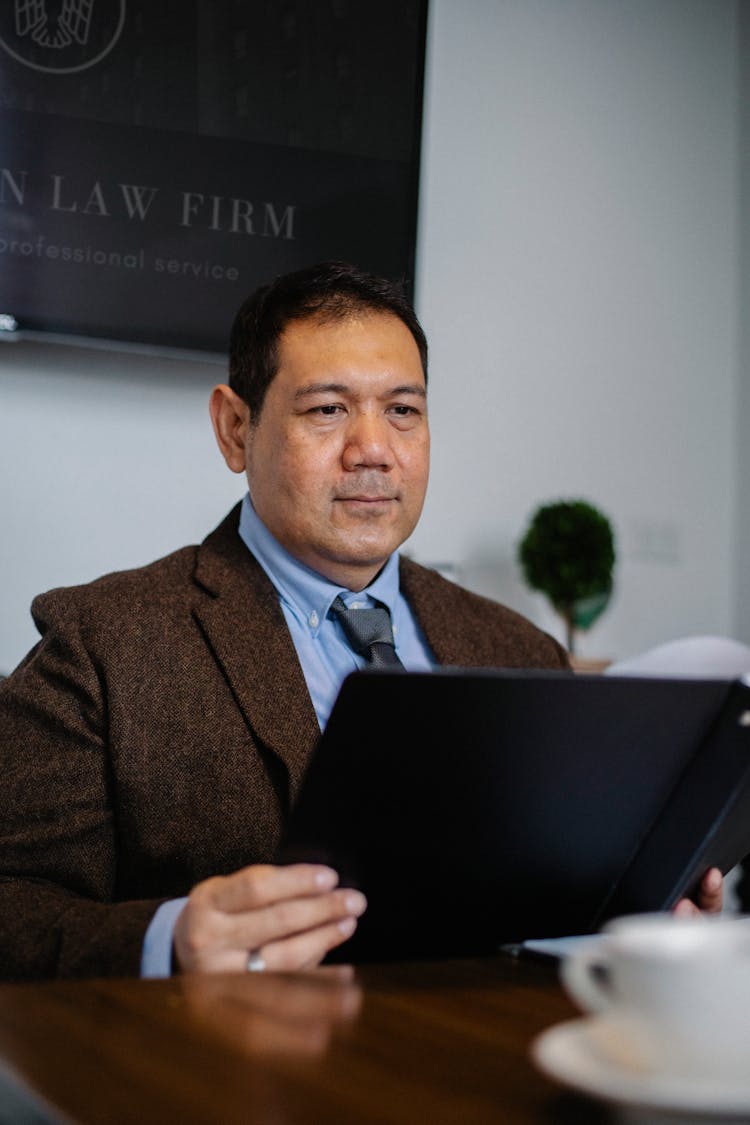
(338, 460)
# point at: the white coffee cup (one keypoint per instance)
(675, 990)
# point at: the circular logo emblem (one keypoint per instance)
(60, 36)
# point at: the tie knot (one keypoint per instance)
(368, 631)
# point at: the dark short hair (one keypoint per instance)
(325, 292)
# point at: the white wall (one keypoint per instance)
(742, 584)
(579, 281)
(107, 460)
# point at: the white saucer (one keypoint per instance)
(589, 1056)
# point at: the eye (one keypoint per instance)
(328, 409)
(404, 415)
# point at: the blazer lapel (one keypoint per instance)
(244, 625)
(450, 642)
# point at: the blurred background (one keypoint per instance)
(582, 274)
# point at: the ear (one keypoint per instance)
(230, 416)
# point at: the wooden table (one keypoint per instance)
(427, 1044)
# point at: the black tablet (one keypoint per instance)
(477, 808)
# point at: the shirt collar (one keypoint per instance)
(308, 594)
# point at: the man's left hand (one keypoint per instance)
(709, 898)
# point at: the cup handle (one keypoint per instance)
(583, 974)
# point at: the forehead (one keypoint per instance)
(360, 346)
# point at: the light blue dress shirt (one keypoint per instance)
(306, 598)
(324, 653)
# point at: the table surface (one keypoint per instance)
(424, 1044)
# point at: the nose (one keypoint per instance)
(368, 443)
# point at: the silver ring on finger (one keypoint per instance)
(255, 962)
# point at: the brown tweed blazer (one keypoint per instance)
(157, 734)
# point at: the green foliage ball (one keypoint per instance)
(568, 552)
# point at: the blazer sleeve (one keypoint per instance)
(59, 914)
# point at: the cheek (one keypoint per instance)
(415, 466)
(304, 470)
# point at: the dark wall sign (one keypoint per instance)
(160, 158)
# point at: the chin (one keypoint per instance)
(363, 554)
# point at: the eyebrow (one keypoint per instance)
(344, 389)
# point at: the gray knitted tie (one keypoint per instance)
(369, 633)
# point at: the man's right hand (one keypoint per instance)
(290, 916)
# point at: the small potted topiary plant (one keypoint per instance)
(568, 553)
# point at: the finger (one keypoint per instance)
(261, 884)
(306, 951)
(292, 954)
(282, 920)
(686, 909)
(711, 892)
(207, 939)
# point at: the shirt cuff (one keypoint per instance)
(156, 955)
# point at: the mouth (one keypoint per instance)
(365, 499)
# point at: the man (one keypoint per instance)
(155, 737)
